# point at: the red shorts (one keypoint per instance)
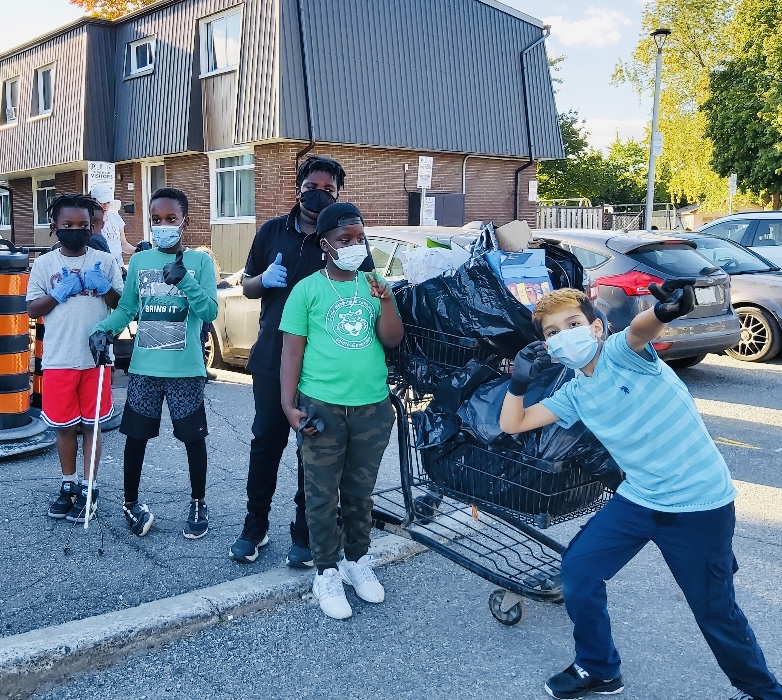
(69, 396)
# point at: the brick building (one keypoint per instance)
(221, 98)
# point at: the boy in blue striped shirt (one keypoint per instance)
(677, 492)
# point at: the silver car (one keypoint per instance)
(756, 296)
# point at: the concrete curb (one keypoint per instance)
(36, 659)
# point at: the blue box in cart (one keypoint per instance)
(524, 273)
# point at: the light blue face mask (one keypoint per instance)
(166, 236)
(574, 347)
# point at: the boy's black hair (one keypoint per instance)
(321, 164)
(172, 193)
(65, 201)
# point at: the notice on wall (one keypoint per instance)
(533, 190)
(100, 173)
(425, 168)
(429, 216)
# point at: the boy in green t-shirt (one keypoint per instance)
(173, 291)
(335, 324)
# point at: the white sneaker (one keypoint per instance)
(361, 576)
(327, 588)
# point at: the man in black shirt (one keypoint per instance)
(283, 252)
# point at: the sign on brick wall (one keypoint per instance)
(100, 173)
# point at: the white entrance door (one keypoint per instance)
(153, 177)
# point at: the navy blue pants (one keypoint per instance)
(698, 549)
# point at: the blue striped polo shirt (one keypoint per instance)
(646, 418)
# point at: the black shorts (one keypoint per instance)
(144, 406)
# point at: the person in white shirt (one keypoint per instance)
(114, 226)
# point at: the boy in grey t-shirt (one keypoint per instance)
(73, 288)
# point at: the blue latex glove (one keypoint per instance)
(69, 286)
(94, 279)
(276, 274)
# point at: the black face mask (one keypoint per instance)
(73, 238)
(316, 200)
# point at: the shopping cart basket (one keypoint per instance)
(479, 506)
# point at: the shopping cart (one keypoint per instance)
(466, 502)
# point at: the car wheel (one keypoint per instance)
(212, 357)
(761, 338)
(685, 362)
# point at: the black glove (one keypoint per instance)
(99, 346)
(174, 273)
(676, 297)
(311, 421)
(143, 245)
(527, 366)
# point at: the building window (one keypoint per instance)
(10, 101)
(44, 90)
(234, 187)
(5, 210)
(140, 57)
(220, 40)
(44, 194)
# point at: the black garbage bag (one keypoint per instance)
(472, 303)
(551, 470)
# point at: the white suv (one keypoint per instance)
(759, 230)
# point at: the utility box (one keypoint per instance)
(448, 208)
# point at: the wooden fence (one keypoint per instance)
(551, 217)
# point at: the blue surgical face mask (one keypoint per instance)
(166, 236)
(574, 347)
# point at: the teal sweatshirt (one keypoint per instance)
(168, 340)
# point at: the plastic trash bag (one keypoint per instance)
(551, 470)
(423, 263)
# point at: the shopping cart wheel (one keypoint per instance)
(425, 507)
(507, 607)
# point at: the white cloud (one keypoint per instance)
(598, 28)
(603, 131)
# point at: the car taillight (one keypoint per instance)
(661, 346)
(593, 288)
(632, 283)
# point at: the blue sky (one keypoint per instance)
(592, 35)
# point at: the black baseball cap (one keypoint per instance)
(337, 215)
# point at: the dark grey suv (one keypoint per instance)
(621, 266)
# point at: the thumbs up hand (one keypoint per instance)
(94, 279)
(276, 274)
(174, 273)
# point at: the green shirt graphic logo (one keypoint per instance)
(351, 323)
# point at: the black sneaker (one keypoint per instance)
(574, 683)
(741, 695)
(62, 506)
(300, 554)
(78, 511)
(245, 547)
(197, 524)
(139, 518)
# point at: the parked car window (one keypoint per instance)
(730, 230)
(396, 269)
(732, 258)
(671, 259)
(768, 232)
(589, 258)
(382, 249)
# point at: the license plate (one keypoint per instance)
(706, 295)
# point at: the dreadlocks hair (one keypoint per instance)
(172, 193)
(65, 201)
(321, 164)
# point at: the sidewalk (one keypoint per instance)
(41, 586)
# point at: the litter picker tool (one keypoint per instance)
(95, 428)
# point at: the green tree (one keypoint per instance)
(110, 9)
(581, 173)
(694, 49)
(744, 110)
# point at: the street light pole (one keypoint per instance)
(655, 145)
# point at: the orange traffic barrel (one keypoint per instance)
(14, 336)
(36, 400)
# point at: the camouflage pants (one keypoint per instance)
(340, 468)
